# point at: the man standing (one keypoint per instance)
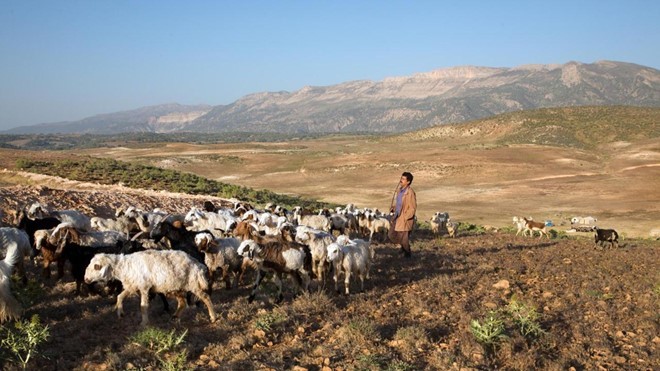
(404, 206)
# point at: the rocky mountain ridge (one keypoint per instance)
(395, 104)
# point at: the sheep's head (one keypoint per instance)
(99, 269)
(203, 241)
(248, 249)
(343, 240)
(163, 228)
(37, 210)
(334, 252)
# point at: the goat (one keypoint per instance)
(521, 224)
(533, 226)
(279, 257)
(30, 226)
(221, 253)
(180, 238)
(167, 272)
(606, 235)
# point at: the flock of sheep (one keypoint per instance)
(179, 255)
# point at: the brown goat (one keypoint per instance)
(536, 226)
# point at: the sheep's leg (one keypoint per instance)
(336, 278)
(361, 282)
(180, 304)
(347, 281)
(206, 299)
(46, 269)
(321, 275)
(305, 280)
(60, 268)
(226, 277)
(144, 307)
(277, 278)
(120, 302)
(260, 276)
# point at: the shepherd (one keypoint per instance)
(403, 208)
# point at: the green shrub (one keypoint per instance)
(526, 318)
(158, 340)
(22, 341)
(490, 332)
(265, 321)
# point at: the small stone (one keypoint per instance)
(298, 368)
(490, 305)
(547, 294)
(502, 284)
(619, 334)
(326, 361)
(620, 360)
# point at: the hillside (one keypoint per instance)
(395, 104)
(576, 127)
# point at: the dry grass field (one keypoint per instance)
(467, 174)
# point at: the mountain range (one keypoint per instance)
(396, 104)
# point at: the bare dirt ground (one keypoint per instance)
(598, 309)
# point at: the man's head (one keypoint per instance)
(406, 179)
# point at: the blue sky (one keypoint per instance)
(66, 60)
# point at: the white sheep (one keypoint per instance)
(520, 223)
(439, 222)
(167, 271)
(123, 224)
(78, 219)
(14, 236)
(452, 228)
(17, 246)
(350, 259)
(365, 246)
(218, 224)
(318, 242)
(319, 222)
(91, 239)
(376, 225)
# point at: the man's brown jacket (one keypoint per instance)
(406, 220)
